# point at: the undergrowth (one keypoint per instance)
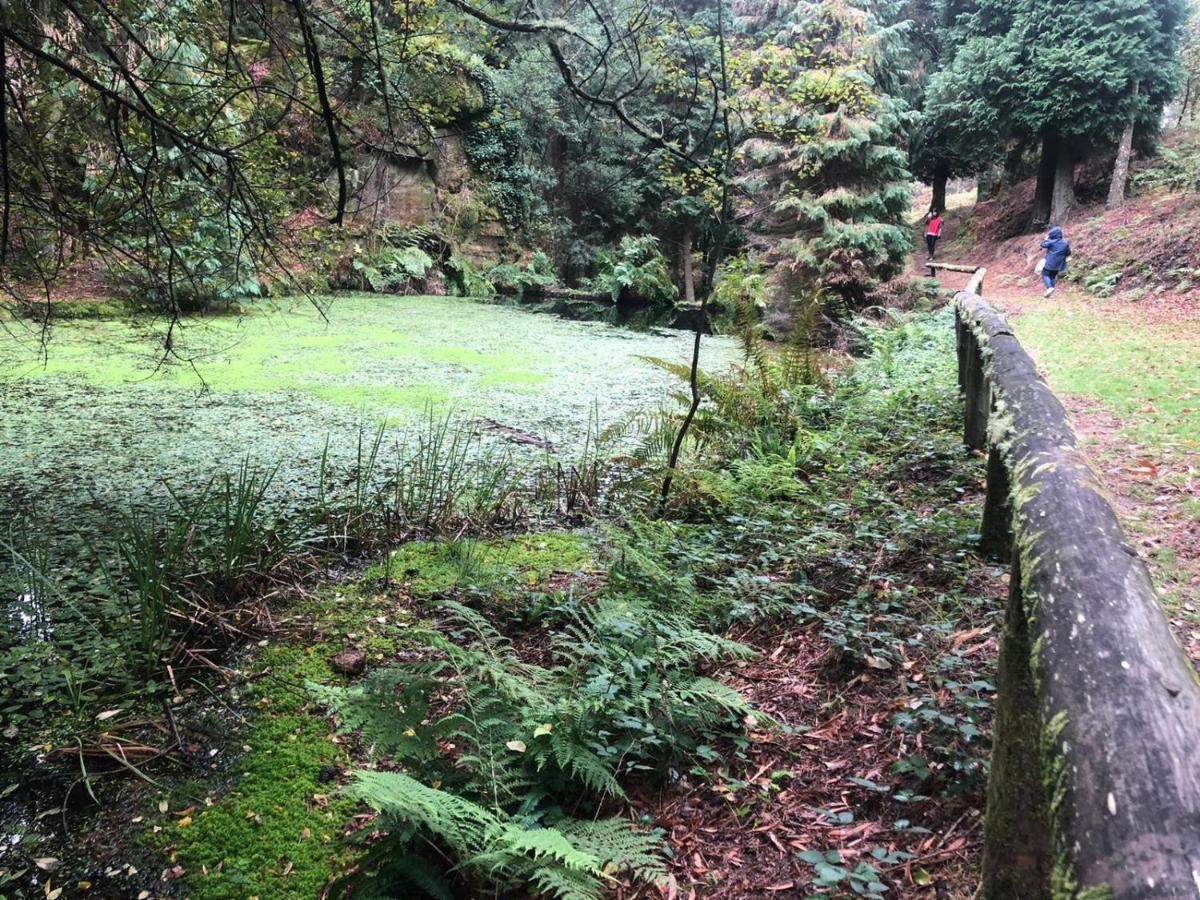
(501, 750)
(522, 687)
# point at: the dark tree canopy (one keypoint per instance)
(1057, 73)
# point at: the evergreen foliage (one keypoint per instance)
(637, 269)
(1058, 70)
(827, 172)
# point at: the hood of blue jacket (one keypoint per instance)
(1056, 233)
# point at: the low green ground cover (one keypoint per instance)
(850, 508)
(519, 684)
(272, 826)
(429, 568)
(1147, 374)
(97, 420)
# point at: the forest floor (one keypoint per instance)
(1126, 363)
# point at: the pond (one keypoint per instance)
(96, 420)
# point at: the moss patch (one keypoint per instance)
(276, 830)
(498, 566)
(276, 833)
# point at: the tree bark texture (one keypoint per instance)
(1120, 179)
(1044, 196)
(989, 183)
(941, 176)
(1064, 185)
(689, 275)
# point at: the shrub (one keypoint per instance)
(739, 295)
(390, 270)
(1176, 168)
(636, 271)
(467, 281)
(530, 278)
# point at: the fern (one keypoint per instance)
(566, 885)
(387, 709)
(575, 759)
(622, 695)
(464, 825)
(619, 848)
(638, 268)
(542, 845)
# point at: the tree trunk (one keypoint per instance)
(989, 183)
(689, 275)
(1120, 179)
(1043, 198)
(1064, 185)
(940, 176)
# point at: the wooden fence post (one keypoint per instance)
(995, 535)
(1016, 855)
(978, 395)
(960, 345)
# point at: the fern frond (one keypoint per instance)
(703, 695)
(388, 708)
(564, 884)
(620, 848)
(463, 825)
(578, 761)
(542, 844)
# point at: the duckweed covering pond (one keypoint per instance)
(101, 421)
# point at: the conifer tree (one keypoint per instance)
(957, 130)
(831, 185)
(1066, 74)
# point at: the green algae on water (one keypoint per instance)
(99, 421)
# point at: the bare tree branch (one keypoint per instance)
(313, 53)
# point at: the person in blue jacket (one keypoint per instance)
(1057, 248)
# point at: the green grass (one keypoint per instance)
(1147, 375)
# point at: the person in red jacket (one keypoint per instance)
(933, 232)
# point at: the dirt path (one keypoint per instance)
(1129, 374)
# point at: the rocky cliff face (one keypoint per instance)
(427, 180)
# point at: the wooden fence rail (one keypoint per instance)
(1095, 778)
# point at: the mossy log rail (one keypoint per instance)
(951, 267)
(1095, 778)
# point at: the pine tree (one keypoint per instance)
(957, 130)
(1064, 74)
(832, 188)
